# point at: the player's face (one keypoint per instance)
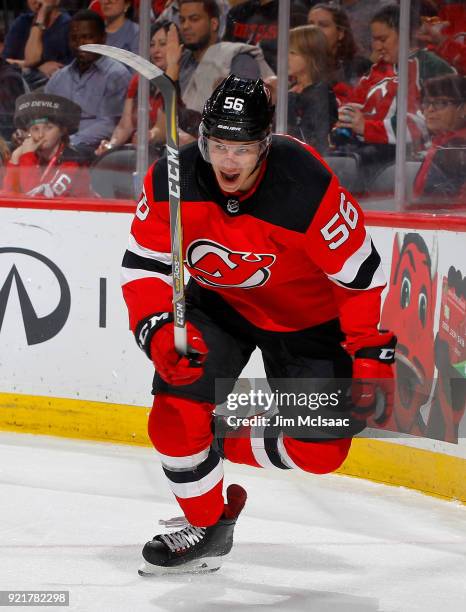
(49, 134)
(384, 42)
(196, 26)
(324, 20)
(234, 164)
(158, 49)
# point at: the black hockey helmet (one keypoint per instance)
(239, 109)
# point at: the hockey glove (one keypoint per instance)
(372, 390)
(155, 335)
(174, 368)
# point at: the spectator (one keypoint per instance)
(346, 66)
(205, 61)
(256, 22)
(443, 171)
(433, 35)
(45, 165)
(125, 131)
(312, 105)
(12, 87)
(158, 7)
(37, 41)
(121, 31)
(360, 13)
(171, 12)
(98, 84)
(371, 114)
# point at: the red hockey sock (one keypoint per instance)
(318, 457)
(180, 430)
(206, 509)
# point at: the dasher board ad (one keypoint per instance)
(64, 326)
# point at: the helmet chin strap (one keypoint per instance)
(260, 159)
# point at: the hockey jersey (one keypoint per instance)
(290, 254)
(376, 93)
(64, 176)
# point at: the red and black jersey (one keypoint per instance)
(291, 254)
(377, 91)
(64, 176)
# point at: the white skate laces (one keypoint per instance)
(174, 523)
(187, 537)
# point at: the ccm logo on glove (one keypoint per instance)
(155, 336)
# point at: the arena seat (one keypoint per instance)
(384, 181)
(112, 174)
(346, 168)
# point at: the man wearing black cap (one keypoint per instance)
(45, 165)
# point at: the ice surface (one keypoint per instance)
(74, 516)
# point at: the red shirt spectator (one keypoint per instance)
(443, 170)
(45, 165)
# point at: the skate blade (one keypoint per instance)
(207, 565)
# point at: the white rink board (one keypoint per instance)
(85, 360)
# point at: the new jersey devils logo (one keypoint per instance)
(213, 264)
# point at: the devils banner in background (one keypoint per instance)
(430, 395)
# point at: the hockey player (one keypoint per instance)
(279, 259)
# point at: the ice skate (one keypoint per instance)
(195, 549)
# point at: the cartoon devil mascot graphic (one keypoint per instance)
(409, 310)
(430, 392)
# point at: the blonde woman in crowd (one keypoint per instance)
(312, 105)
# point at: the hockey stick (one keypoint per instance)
(168, 91)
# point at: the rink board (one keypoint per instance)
(59, 278)
(435, 473)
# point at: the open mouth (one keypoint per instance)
(229, 177)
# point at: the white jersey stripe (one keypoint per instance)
(184, 463)
(137, 249)
(351, 266)
(284, 456)
(378, 280)
(130, 274)
(258, 447)
(391, 136)
(199, 487)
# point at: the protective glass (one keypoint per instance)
(238, 155)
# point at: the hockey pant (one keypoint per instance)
(180, 422)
